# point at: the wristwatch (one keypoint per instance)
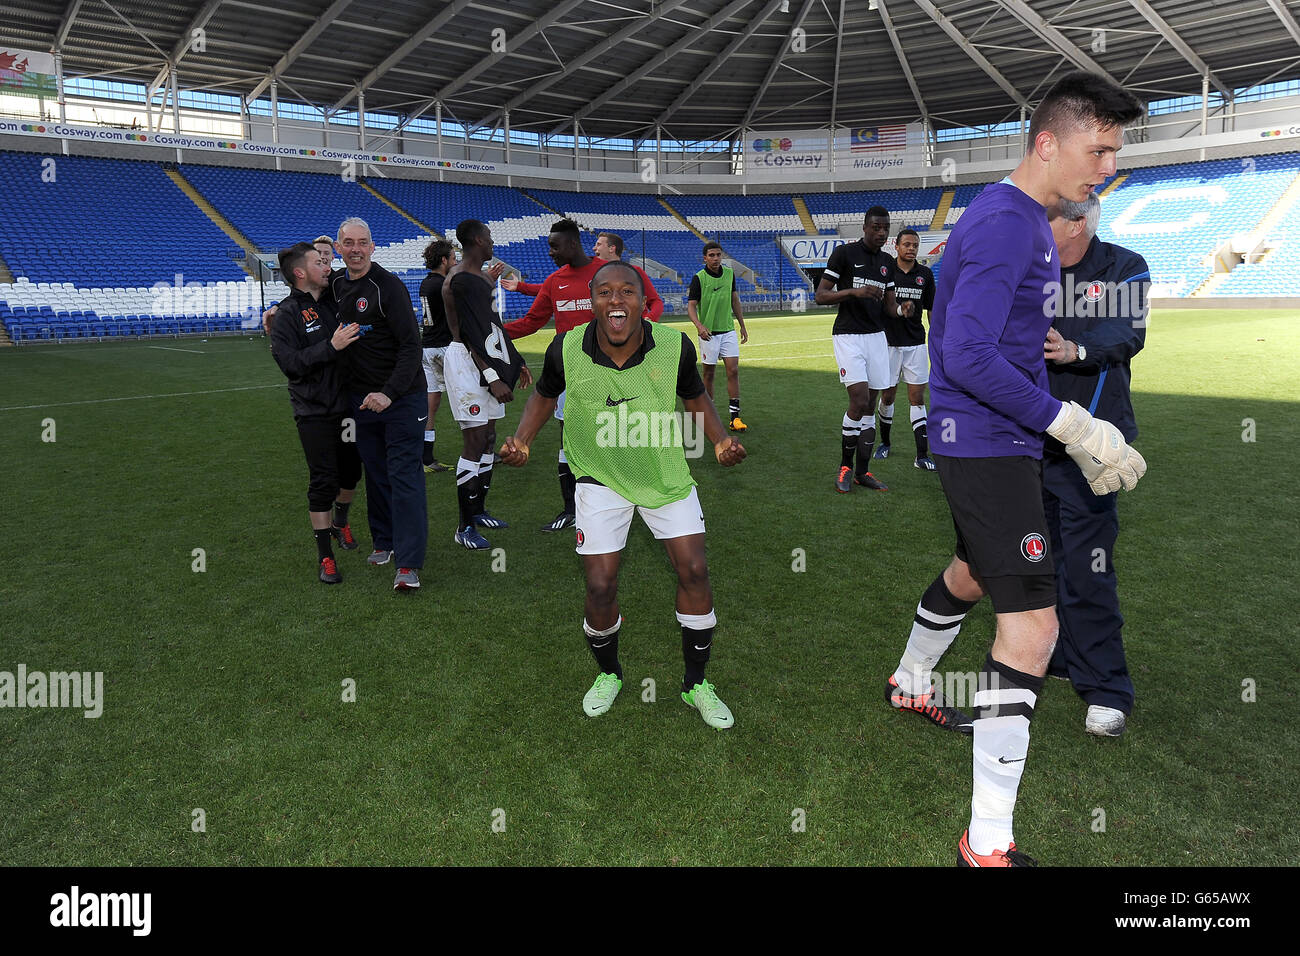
(1083, 353)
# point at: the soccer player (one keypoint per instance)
(1098, 330)
(858, 278)
(906, 337)
(325, 246)
(306, 341)
(439, 257)
(711, 304)
(388, 390)
(623, 376)
(990, 400)
(482, 368)
(608, 248)
(565, 296)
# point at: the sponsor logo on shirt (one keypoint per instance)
(573, 305)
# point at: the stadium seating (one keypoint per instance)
(78, 280)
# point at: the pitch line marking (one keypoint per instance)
(136, 398)
(165, 348)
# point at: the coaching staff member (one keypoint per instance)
(307, 342)
(385, 378)
(991, 407)
(1100, 326)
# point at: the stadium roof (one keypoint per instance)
(701, 69)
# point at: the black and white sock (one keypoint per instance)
(886, 422)
(568, 484)
(429, 437)
(697, 643)
(918, 430)
(936, 625)
(485, 478)
(1004, 706)
(866, 438)
(604, 647)
(467, 491)
(733, 406)
(849, 430)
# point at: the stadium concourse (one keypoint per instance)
(193, 227)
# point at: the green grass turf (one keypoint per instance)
(223, 688)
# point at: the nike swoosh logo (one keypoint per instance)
(1047, 256)
(613, 403)
(704, 648)
(424, 419)
(1005, 760)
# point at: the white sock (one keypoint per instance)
(886, 414)
(1003, 709)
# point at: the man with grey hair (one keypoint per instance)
(1099, 325)
(384, 376)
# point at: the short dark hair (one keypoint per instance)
(468, 231)
(435, 252)
(292, 257)
(875, 212)
(568, 226)
(619, 264)
(712, 244)
(906, 231)
(1084, 99)
(615, 240)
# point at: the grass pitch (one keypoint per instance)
(223, 688)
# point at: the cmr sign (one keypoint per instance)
(813, 251)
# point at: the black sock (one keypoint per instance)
(341, 513)
(467, 491)
(734, 406)
(324, 549)
(428, 453)
(697, 644)
(848, 441)
(568, 487)
(922, 439)
(604, 647)
(866, 439)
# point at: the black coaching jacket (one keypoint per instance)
(300, 344)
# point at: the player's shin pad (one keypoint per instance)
(1107, 461)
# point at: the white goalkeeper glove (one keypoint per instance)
(1097, 447)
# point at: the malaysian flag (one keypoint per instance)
(868, 138)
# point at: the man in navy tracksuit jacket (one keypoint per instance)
(1099, 326)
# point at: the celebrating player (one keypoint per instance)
(906, 337)
(623, 376)
(439, 257)
(989, 397)
(565, 296)
(858, 278)
(711, 304)
(482, 367)
(306, 340)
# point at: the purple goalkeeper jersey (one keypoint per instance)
(988, 381)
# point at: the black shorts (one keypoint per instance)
(997, 509)
(332, 463)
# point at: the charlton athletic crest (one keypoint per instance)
(884, 271)
(920, 280)
(1033, 547)
(1093, 292)
(361, 305)
(581, 537)
(473, 409)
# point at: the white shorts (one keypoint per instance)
(433, 374)
(863, 358)
(604, 517)
(471, 403)
(559, 406)
(720, 345)
(913, 361)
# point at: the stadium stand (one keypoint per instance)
(70, 284)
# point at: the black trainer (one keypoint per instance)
(868, 480)
(561, 521)
(930, 707)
